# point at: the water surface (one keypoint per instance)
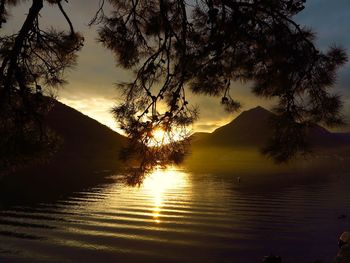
(178, 216)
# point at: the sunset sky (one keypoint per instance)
(91, 88)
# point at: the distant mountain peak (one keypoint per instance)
(254, 127)
(251, 127)
(257, 109)
(252, 115)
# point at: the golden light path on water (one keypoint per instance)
(178, 216)
(160, 183)
(162, 193)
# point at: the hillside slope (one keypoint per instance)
(236, 148)
(83, 135)
(88, 152)
(249, 128)
(254, 127)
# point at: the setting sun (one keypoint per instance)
(161, 137)
(175, 131)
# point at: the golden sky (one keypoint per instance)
(91, 88)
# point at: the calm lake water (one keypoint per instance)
(177, 216)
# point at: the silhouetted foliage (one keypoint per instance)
(32, 62)
(175, 46)
(206, 46)
(145, 158)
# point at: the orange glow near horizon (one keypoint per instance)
(160, 137)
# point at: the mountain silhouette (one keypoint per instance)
(235, 149)
(86, 147)
(82, 135)
(251, 127)
(88, 151)
(254, 128)
(198, 136)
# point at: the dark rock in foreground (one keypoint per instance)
(344, 253)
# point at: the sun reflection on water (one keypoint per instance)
(160, 185)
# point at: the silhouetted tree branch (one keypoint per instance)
(204, 47)
(32, 62)
(177, 46)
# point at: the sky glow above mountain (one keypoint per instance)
(91, 85)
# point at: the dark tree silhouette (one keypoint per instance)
(206, 45)
(175, 46)
(32, 62)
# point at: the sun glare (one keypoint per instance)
(160, 184)
(160, 137)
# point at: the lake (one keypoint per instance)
(179, 216)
